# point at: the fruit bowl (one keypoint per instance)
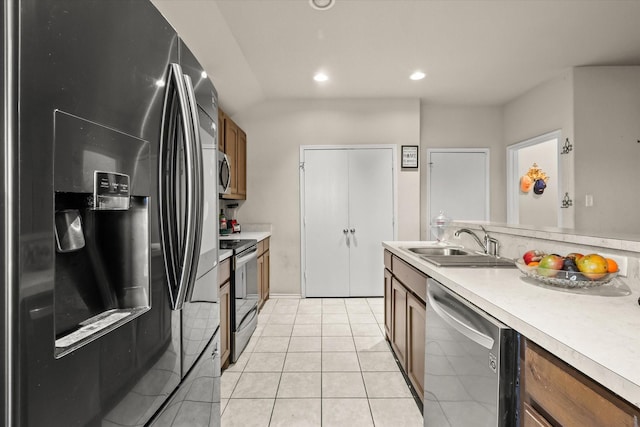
(564, 279)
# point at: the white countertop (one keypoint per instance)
(257, 235)
(224, 254)
(598, 335)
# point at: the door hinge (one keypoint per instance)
(302, 166)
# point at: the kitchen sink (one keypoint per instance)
(438, 251)
(458, 257)
(469, 260)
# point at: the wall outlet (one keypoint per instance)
(620, 260)
(588, 200)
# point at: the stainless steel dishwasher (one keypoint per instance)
(470, 364)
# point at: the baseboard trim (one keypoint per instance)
(284, 296)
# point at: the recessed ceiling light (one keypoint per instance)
(320, 77)
(322, 4)
(417, 75)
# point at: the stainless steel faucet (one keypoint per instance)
(490, 245)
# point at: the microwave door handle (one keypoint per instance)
(194, 240)
(167, 199)
(459, 324)
(227, 184)
(224, 173)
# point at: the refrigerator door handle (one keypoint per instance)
(198, 189)
(190, 225)
(178, 257)
(167, 177)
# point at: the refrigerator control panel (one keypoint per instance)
(110, 191)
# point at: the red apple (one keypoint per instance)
(550, 265)
(532, 255)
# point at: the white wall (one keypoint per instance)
(539, 209)
(545, 108)
(464, 127)
(276, 130)
(607, 152)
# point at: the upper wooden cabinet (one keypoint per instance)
(221, 116)
(241, 165)
(234, 144)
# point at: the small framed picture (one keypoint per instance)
(410, 156)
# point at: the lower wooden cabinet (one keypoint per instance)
(556, 394)
(531, 417)
(405, 317)
(399, 321)
(224, 281)
(225, 324)
(416, 329)
(263, 271)
(387, 302)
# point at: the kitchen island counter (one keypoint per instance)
(597, 335)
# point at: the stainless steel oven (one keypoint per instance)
(470, 364)
(244, 293)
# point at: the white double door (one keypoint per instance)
(348, 210)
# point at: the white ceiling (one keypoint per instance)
(475, 52)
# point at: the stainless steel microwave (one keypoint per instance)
(224, 173)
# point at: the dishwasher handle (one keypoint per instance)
(453, 320)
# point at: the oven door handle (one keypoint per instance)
(457, 323)
(245, 257)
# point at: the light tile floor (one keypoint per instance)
(318, 362)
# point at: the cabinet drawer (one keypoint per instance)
(387, 259)
(411, 278)
(224, 271)
(570, 397)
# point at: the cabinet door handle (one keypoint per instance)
(345, 231)
(353, 230)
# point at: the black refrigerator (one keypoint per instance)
(109, 240)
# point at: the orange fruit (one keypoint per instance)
(592, 266)
(612, 265)
(533, 264)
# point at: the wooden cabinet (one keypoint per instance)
(387, 302)
(224, 281)
(241, 165)
(263, 271)
(556, 394)
(416, 329)
(221, 116)
(405, 290)
(531, 418)
(399, 321)
(234, 143)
